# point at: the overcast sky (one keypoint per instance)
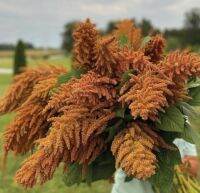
(42, 21)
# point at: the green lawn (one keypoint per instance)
(57, 60)
(56, 185)
(6, 62)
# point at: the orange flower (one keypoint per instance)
(146, 95)
(85, 39)
(41, 166)
(88, 90)
(132, 60)
(30, 122)
(23, 84)
(181, 65)
(76, 130)
(132, 149)
(106, 56)
(154, 48)
(127, 29)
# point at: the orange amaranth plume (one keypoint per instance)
(133, 151)
(40, 166)
(155, 48)
(30, 122)
(85, 39)
(23, 84)
(64, 143)
(106, 56)
(88, 89)
(76, 132)
(127, 29)
(132, 60)
(146, 95)
(181, 65)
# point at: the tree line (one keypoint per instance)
(187, 36)
(8, 46)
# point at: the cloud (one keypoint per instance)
(42, 21)
(100, 9)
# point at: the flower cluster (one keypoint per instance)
(132, 149)
(72, 121)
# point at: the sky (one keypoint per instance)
(41, 21)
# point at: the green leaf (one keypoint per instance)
(194, 83)
(163, 179)
(120, 112)
(145, 41)
(73, 175)
(103, 167)
(171, 120)
(196, 137)
(169, 137)
(123, 40)
(187, 134)
(187, 109)
(65, 78)
(105, 158)
(128, 117)
(73, 73)
(195, 94)
(111, 133)
(127, 75)
(193, 123)
(113, 130)
(102, 172)
(89, 175)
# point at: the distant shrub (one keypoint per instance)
(20, 57)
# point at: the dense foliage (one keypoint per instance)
(122, 105)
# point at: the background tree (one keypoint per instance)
(175, 38)
(110, 26)
(192, 27)
(67, 36)
(187, 36)
(192, 19)
(146, 27)
(20, 57)
(9, 46)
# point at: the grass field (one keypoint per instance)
(56, 185)
(7, 62)
(33, 53)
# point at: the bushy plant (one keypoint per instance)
(122, 105)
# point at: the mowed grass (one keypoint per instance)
(56, 185)
(6, 62)
(54, 60)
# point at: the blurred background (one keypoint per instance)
(37, 32)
